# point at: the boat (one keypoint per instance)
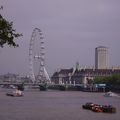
(111, 94)
(99, 108)
(88, 106)
(16, 93)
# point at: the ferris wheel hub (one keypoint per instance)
(42, 75)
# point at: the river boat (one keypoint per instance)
(16, 93)
(99, 108)
(111, 94)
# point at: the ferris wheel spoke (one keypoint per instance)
(37, 37)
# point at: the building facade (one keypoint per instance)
(101, 57)
(81, 76)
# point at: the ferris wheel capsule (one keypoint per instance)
(37, 46)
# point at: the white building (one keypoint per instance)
(101, 57)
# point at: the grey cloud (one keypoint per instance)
(72, 29)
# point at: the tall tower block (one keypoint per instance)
(101, 57)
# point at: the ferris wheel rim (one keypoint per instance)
(31, 55)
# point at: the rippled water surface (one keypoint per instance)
(55, 105)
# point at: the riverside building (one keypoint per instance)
(86, 76)
(81, 76)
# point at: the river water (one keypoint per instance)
(55, 105)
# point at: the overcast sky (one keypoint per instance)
(72, 29)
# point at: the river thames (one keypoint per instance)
(55, 105)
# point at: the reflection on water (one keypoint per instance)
(55, 105)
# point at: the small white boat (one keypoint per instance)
(111, 94)
(16, 93)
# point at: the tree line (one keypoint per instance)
(113, 80)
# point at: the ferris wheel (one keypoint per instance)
(37, 71)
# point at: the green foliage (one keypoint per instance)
(7, 33)
(110, 80)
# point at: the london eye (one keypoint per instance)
(37, 71)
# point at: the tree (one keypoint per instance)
(7, 33)
(111, 80)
